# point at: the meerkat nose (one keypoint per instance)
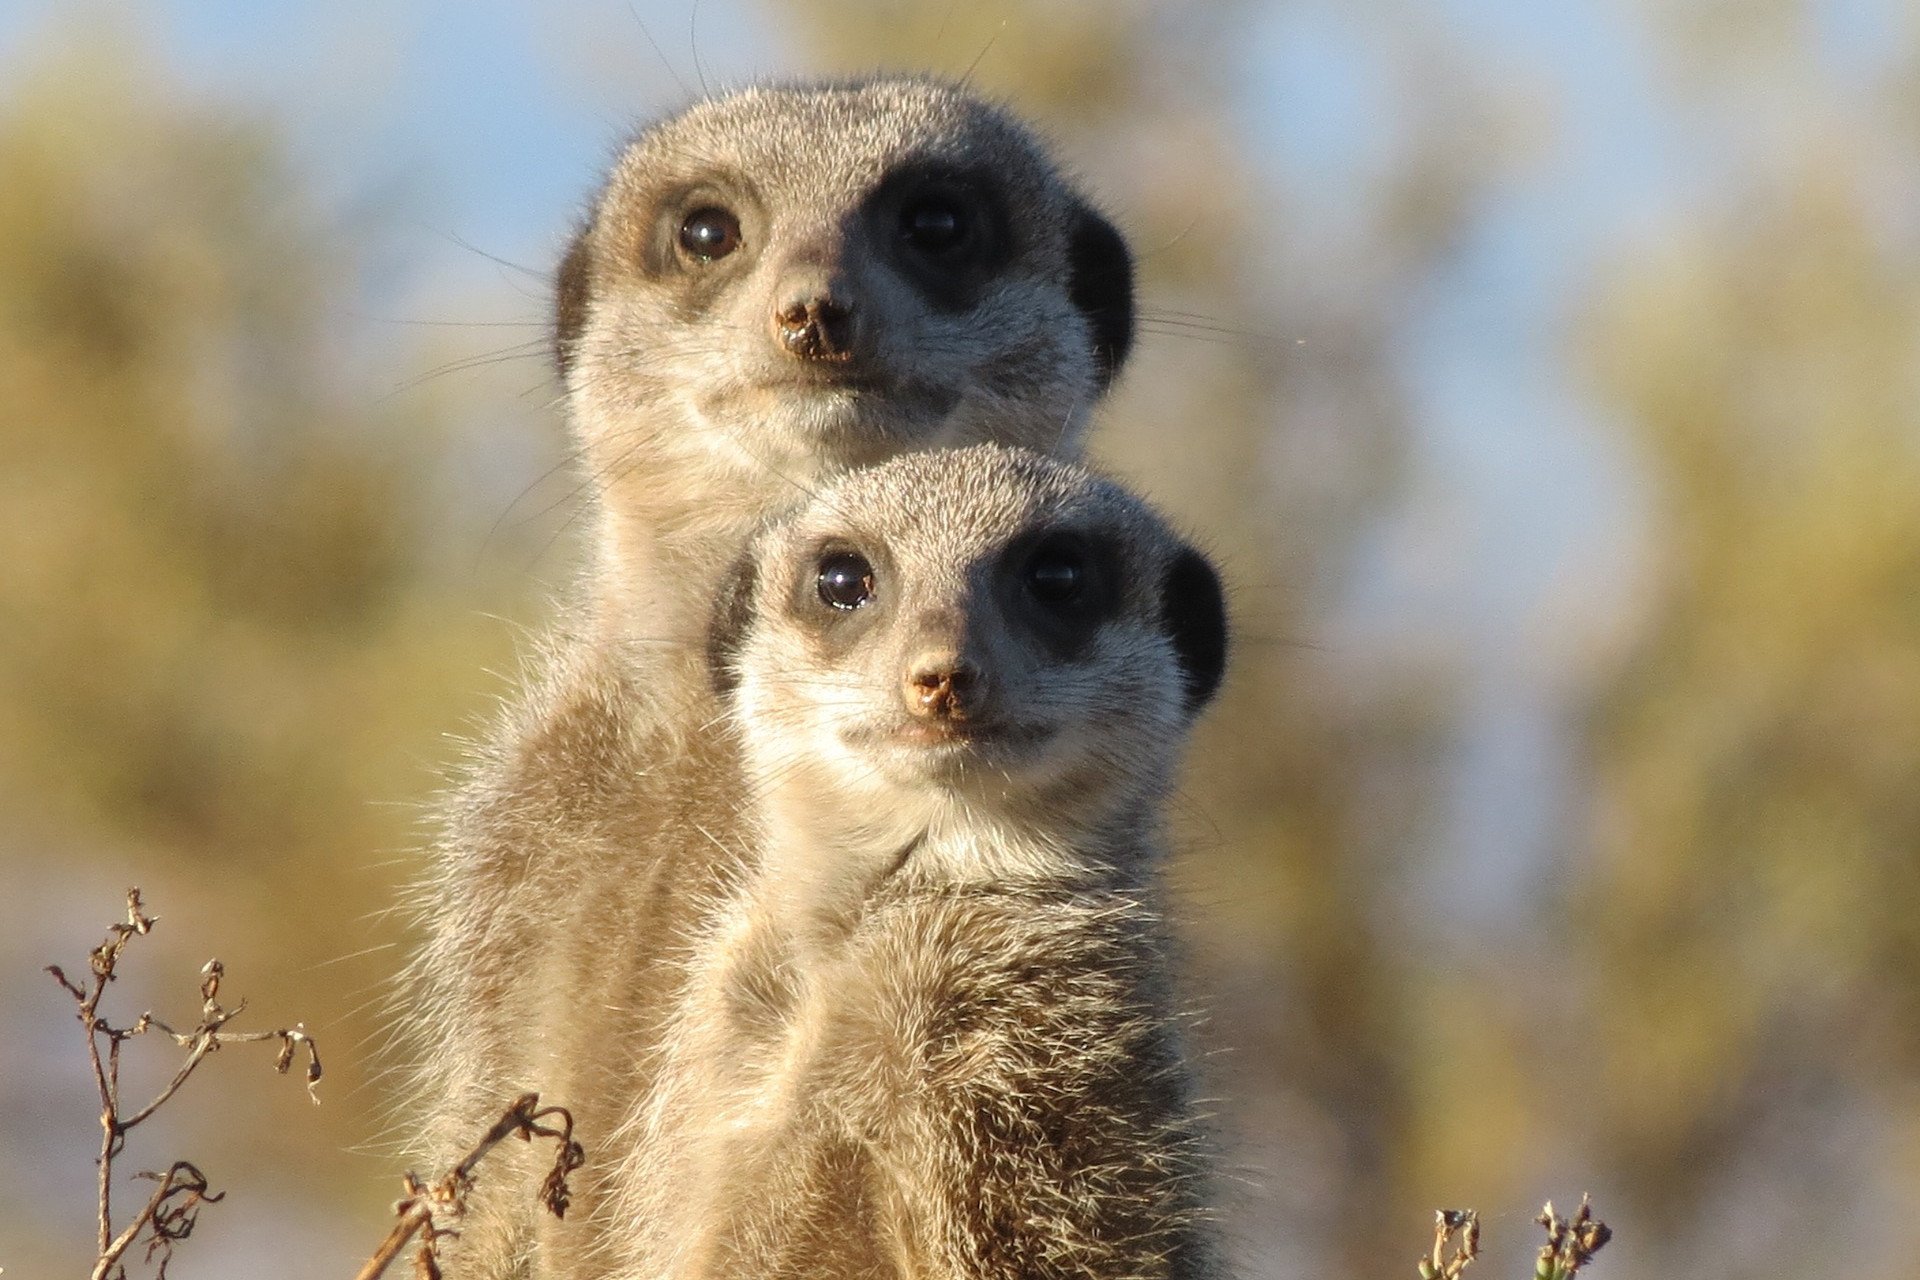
(815, 326)
(942, 686)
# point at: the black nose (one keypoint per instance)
(942, 687)
(819, 327)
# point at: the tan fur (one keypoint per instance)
(931, 1034)
(598, 823)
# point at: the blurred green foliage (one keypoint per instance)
(1751, 916)
(227, 664)
(213, 610)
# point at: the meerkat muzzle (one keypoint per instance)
(817, 327)
(942, 687)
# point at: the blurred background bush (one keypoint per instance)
(1547, 377)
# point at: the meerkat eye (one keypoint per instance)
(1057, 574)
(709, 233)
(935, 224)
(846, 580)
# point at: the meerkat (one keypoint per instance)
(932, 1032)
(772, 287)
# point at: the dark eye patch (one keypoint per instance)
(938, 225)
(1062, 585)
(944, 229)
(1057, 573)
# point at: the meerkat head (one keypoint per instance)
(820, 277)
(983, 625)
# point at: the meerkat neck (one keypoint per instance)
(821, 864)
(662, 538)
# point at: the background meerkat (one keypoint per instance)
(932, 1034)
(783, 283)
(773, 286)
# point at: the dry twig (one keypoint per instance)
(1571, 1243)
(1459, 1227)
(430, 1210)
(1570, 1246)
(169, 1213)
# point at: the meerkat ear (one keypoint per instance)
(1100, 284)
(571, 291)
(732, 614)
(1194, 611)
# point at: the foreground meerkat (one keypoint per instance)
(772, 287)
(932, 1032)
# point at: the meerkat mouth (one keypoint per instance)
(827, 379)
(869, 398)
(939, 746)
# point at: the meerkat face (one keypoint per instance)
(822, 277)
(981, 622)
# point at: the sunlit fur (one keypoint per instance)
(931, 1033)
(597, 822)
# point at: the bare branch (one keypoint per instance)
(1571, 1243)
(170, 1212)
(1449, 1224)
(431, 1211)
